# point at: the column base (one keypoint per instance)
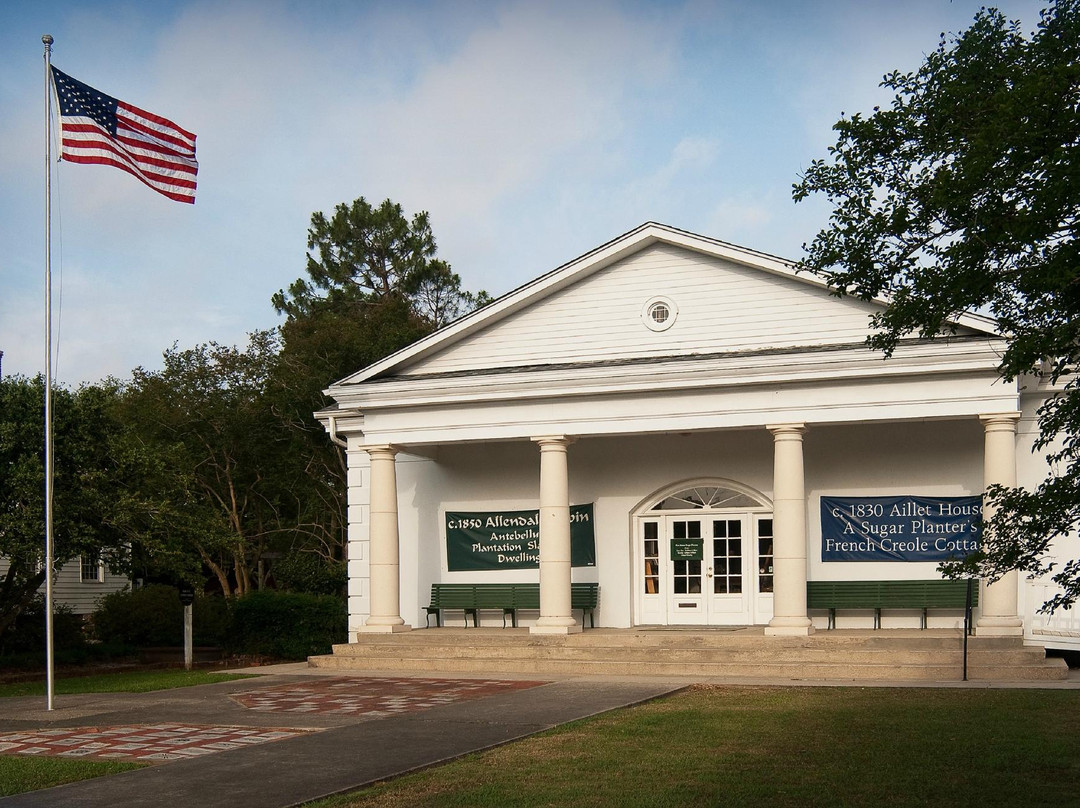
(564, 630)
(400, 628)
(999, 627)
(789, 627)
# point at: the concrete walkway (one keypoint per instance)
(341, 751)
(347, 752)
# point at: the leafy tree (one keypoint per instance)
(373, 286)
(83, 429)
(962, 195)
(206, 462)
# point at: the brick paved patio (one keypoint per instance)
(359, 698)
(156, 742)
(372, 698)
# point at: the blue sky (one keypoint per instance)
(531, 131)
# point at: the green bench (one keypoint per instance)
(472, 598)
(878, 595)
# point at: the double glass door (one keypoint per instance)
(707, 569)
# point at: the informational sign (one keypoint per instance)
(906, 528)
(687, 549)
(510, 540)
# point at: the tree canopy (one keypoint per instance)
(84, 428)
(963, 195)
(365, 256)
(213, 465)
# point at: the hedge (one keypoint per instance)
(287, 625)
(153, 616)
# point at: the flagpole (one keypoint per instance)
(47, 41)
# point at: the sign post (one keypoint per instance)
(187, 597)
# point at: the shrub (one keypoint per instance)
(310, 573)
(153, 615)
(287, 625)
(27, 634)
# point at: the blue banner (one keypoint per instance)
(907, 528)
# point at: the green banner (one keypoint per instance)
(510, 540)
(687, 549)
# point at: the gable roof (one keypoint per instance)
(641, 238)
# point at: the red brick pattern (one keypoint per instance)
(361, 698)
(372, 697)
(152, 743)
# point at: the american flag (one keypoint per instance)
(97, 128)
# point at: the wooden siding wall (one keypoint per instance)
(69, 590)
(722, 306)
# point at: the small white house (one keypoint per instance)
(694, 427)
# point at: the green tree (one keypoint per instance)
(83, 429)
(962, 195)
(207, 474)
(373, 286)
(365, 256)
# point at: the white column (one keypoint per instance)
(998, 615)
(556, 616)
(385, 573)
(789, 533)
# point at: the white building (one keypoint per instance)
(703, 398)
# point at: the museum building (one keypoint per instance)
(694, 427)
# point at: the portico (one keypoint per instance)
(703, 441)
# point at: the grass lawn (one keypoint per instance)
(777, 747)
(127, 682)
(19, 774)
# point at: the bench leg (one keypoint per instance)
(877, 618)
(924, 618)
(475, 617)
(832, 618)
(513, 617)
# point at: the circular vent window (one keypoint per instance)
(659, 313)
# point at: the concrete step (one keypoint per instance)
(841, 655)
(600, 638)
(689, 655)
(777, 670)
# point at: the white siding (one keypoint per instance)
(82, 596)
(722, 306)
(69, 590)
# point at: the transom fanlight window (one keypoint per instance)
(705, 496)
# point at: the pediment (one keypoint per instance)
(656, 292)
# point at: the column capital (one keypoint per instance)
(793, 431)
(1000, 421)
(383, 451)
(553, 441)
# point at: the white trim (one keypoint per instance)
(671, 311)
(638, 239)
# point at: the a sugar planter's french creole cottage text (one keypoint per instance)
(907, 528)
(510, 540)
